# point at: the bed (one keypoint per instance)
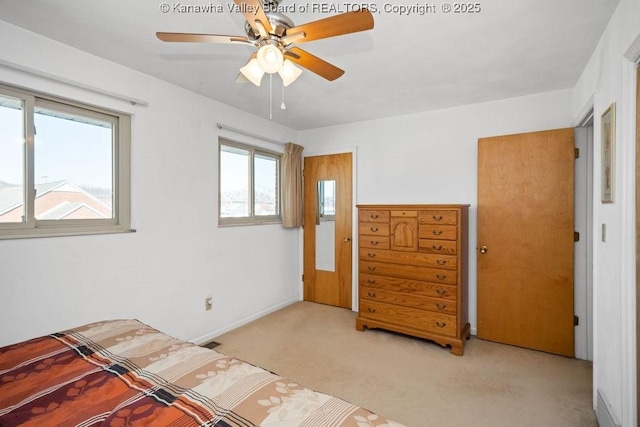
(125, 373)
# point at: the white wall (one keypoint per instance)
(605, 80)
(432, 157)
(162, 273)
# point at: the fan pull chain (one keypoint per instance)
(283, 106)
(270, 96)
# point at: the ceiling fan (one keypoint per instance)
(274, 34)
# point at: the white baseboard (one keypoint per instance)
(213, 334)
(604, 413)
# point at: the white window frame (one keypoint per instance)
(121, 152)
(252, 219)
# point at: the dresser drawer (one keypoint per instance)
(412, 317)
(414, 287)
(373, 216)
(373, 229)
(450, 262)
(378, 242)
(408, 300)
(447, 247)
(438, 217)
(404, 214)
(426, 274)
(440, 232)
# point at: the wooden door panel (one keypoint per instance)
(329, 287)
(525, 221)
(404, 234)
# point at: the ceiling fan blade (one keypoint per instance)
(201, 38)
(253, 11)
(313, 63)
(346, 23)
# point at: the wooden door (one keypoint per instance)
(404, 233)
(525, 240)
(329, 283)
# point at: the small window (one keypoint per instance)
(327, 200)
(64, 167)
(249, 185)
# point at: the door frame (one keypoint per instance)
(354, 224)
(627, 153)
(584, 224)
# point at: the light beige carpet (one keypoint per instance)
(413, 381)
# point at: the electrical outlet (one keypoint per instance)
(208, 303)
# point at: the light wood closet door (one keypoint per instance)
(327, 279)
(525, 240)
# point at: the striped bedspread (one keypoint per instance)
(124, 373)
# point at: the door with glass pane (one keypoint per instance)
(328, 229)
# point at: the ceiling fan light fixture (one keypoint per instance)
(253, 71)
(270, 58)
(289, 72)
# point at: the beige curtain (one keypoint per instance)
(292, 186)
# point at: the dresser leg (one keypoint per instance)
(359, 325)
(457, 349)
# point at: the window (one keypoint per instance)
(327, 200)
(249, 185)
(64, 167)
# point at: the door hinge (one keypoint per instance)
(576, 236)
(576, 153)
(303, 277)
(576, 320)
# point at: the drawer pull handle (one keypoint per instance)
(371, 268)
(371, 294)
(371, 282)
(371, 255)
(436, 248)
(441, 306)
(437, 232)
(375, 243)
(371, 310)
(437, 218)
(441, 276)
(440, 324)
(374, 216)
(441, 261)
(441, 291)
(374, 229)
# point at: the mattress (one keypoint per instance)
(125, 373)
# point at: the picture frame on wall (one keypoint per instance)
(608, 132)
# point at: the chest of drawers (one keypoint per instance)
(412, 271)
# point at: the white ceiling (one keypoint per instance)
(406, 64)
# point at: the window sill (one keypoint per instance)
(238, 222)
(37, 233)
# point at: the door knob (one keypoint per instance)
(347, 239)
(483, 249)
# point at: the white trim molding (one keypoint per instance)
(60, 79)
(627, 161)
